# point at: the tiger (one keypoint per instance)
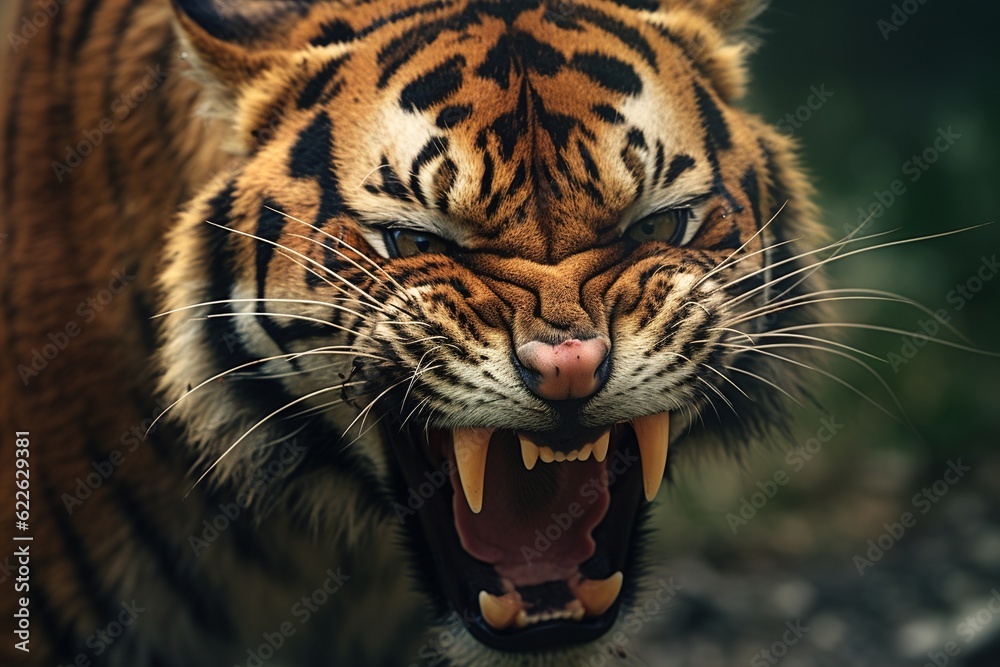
(365, 332)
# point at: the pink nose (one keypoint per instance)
(568, 370)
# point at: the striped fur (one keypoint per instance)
(529, 135)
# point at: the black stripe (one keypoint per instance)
(172, 558)
(313, 90)
(751, 187)
(114, 179)
(433, 87)
(434, 147)
(270, 225)
(608, 114)
(588, 161)
(636, 138)
(717, 138)
(402, 49)
(12, 133)
(712, 119)
(333, 32)
(609, 72)
(661, 160)
(82, 32)
(629, 37)
(312, 157)
(678, 165)
(486, 183)
(86, 573)
(451, 116)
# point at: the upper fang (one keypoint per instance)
(471, 447)
(529, 452)
(653, 434)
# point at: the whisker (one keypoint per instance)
(376, 265)
(883, 329)
(828, 260)
(295, 252)
(726, 378)
(223, 374)
(254, 428)
(302, 302)
(765, 381)
(777, 334)
(760, 350)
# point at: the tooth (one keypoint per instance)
(653, 434)
(596, 595)
(560, 456)
(499, 612)
(573, 455)
(471, 446)
(522, 619)
(529, 452)
(601, 446)
(585, 452)
(546, 454)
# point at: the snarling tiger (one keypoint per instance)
(337, 328)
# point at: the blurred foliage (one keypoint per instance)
(893, 91)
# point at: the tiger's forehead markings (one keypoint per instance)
(539, 124)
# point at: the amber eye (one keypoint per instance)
(666, 226)
(408, 243)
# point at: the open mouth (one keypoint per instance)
(532, 533)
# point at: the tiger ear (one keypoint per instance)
(726, 16)
(233, 41)
(713, 32)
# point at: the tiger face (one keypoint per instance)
(496, 259)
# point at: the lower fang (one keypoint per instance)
(500, 612)
(597, 595)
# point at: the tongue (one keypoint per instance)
(535, 524)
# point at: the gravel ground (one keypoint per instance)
(752, 602)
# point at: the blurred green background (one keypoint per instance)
(891, 89)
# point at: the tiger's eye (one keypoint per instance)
(411, 243)
(667, 226)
